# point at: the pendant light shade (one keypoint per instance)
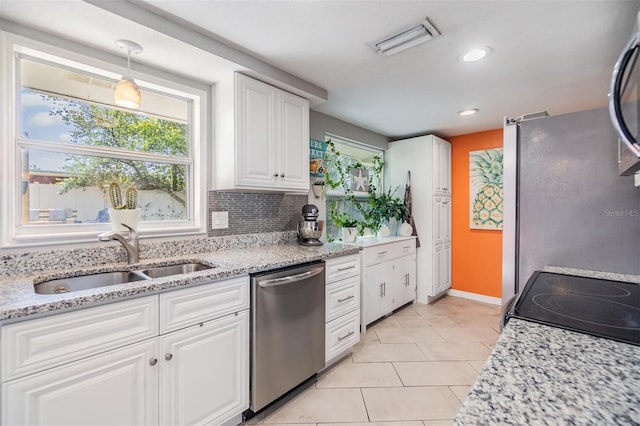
(127, 93)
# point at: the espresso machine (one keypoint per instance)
(309, 227)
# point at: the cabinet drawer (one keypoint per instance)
(342, 297)
(342, 267)
(403, 248)
(341, 334)
(383, 252)
(183, 308)
(43, 343)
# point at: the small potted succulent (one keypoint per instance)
(124, 206)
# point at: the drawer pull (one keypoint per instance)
(382, 252)
(346, 298)
(168, 357)
(346, 268)
(351, 333)
(407, 247)
(153, 361)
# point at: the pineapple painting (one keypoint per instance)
(486, 191)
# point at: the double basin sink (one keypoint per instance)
(85, 282)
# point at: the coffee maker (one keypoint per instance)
(310, 228)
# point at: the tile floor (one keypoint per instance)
(413, 368)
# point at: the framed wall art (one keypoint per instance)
(485, 189)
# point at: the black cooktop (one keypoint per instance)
(603, 308)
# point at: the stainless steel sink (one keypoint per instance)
(183, 268)
(84, 282)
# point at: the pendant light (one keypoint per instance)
(127, 93)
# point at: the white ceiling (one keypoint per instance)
(547, 55)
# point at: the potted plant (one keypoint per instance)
(386, 210)
(348, 225)
(124, 206)
(318, 188)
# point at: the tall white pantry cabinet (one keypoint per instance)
(428, 158)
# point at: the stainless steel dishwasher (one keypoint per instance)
(287, 334)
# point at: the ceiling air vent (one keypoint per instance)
(406, 38)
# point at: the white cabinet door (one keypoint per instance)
(205, 372)
(115, 388)
(441, 220)
(441, 165)
(255, 133)
(405, 270)
(293, 142)
(446, 267)
(373, 287)
(437, 286)
(445, 220)
(444, 164)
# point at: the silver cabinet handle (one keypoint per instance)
(351, 333)
(381, 294)
(346, 268)
(381, 252)
(153, 361)
(384, 289)
(281, 174)
(346, 298)
(168, 357)
(275, 175)
(292, 278)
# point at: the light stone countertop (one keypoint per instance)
(543, 375)
(376, 241)
(18, 298)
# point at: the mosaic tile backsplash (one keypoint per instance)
(253, 213)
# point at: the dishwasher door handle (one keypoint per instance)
(291, 278)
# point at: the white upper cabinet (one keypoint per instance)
(441, 167)
(261, 137)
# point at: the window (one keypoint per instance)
(71, 140)
(351, 152)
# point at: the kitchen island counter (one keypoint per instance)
(539, 374)
(19, 300)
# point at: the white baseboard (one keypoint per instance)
(474, 296)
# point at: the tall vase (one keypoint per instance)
(128, 217)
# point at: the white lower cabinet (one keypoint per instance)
(196, 375)
(441, 268)
(115, 388)
(342, 306)
(204, 376)
(389, 278)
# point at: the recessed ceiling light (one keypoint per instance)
(469, 111)
(475, 54)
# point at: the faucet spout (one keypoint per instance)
(130, 244)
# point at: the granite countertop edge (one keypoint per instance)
(538, 374)
(18, 298)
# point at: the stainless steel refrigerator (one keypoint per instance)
(565, 203)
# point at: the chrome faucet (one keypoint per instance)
(130, 244)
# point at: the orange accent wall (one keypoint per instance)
(476, 255)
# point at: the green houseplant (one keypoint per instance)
(385, 209)
(376, 208)
(348, 225)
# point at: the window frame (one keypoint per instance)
(13, 233)
(338, 194)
